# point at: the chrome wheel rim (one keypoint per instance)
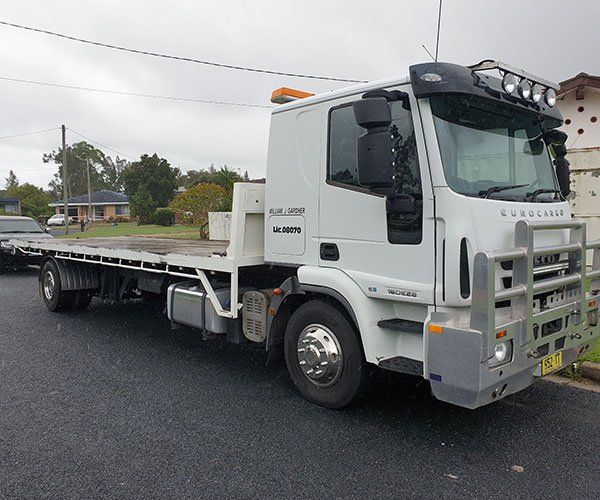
(48, 285)
(320, 355)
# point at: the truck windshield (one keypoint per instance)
(493, 150)
(19, 226)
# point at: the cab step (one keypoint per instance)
(401, 325)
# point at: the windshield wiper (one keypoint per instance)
(497, 189)
(537, 192)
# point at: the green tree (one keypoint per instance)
(11, 180)
(142, 205)
(227, 178)
(77, 154)
(224, 177)
(155, 175)
(34, 200)
(196, 202)
(112, 173)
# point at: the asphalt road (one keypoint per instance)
(105, 403)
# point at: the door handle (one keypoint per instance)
(329, 251)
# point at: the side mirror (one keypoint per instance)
(48, 230)
(555, 136)
(372, 112)
(374, 147)
(556, 140)
(563, 174)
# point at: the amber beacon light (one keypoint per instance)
(285, 94)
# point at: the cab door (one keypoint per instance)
(388, 252)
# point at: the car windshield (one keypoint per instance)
(19, 226)
(494, 150)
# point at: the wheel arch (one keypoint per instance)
(293, 295)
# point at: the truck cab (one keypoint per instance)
(433, 207)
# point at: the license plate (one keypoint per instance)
(552, 362)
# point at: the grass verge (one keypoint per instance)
(592, 356)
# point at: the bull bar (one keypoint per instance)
(538, 315)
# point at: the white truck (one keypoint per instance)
(416, 224)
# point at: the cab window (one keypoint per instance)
(403, 228)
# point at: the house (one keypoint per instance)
(10, 205)
(106, 205)
(579, 102)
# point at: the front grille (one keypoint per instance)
(545, 267)
(537, 261)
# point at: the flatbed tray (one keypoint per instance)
(143, 251)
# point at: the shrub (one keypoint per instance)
(193, 205)
(164, 217)
(142, 206)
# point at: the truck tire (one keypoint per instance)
(51, 292)
(324, 355)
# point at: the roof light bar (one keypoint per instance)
(489, 64)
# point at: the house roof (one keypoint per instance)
(578, 83)
(9, 200)
(104, 197)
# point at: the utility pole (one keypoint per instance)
(65, 176)
(89, 209)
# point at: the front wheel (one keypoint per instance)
(324, 356)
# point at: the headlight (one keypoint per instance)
(7, 245)
(536, 93)
(524, 89)
(509, 83)
(502, 354)
(550, 97)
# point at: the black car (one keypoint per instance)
(16, 227)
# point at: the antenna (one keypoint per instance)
(427, 50)
(437, 41)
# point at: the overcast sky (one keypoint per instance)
(341, 38)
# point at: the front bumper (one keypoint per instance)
(566, 321)
(17, 258)
(459, 374)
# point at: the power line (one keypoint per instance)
(178, 58)
(135, 94)
(29, 133)
(101, 145)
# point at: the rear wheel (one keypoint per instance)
(55, 298)
(324, 356)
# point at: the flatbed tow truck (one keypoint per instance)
(417, 224)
